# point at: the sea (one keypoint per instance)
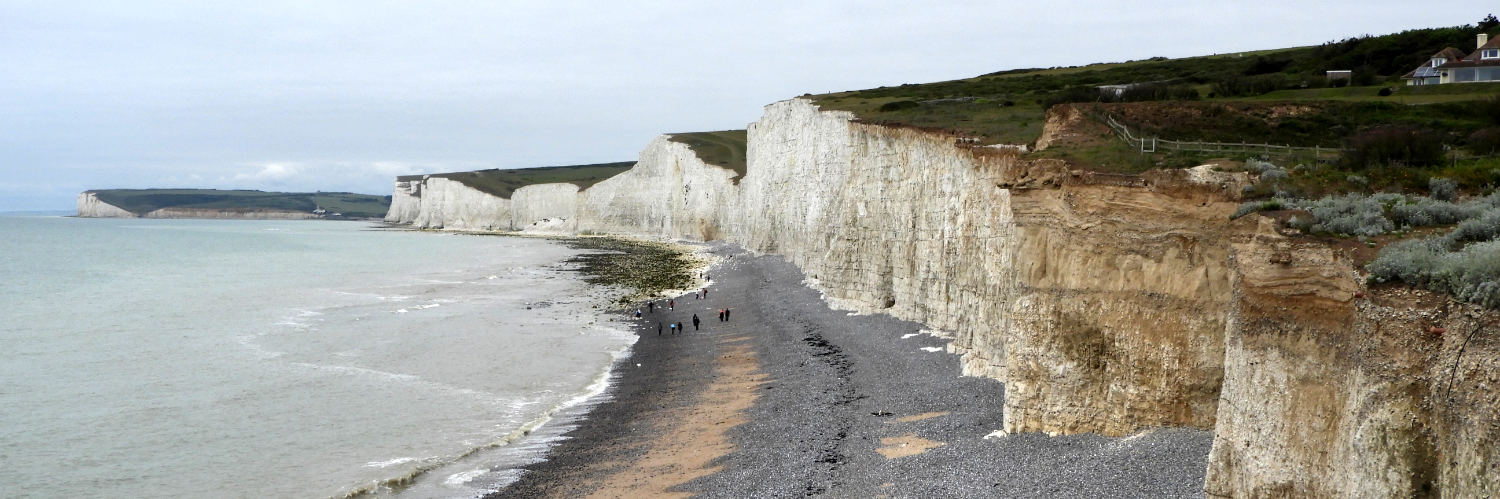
(289, 359)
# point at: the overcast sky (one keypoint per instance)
(344, 95)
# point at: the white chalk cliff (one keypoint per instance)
(1106, 303)
(90, 206)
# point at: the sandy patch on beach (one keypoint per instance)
(906, 445)
(692, 436)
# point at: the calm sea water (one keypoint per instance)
(197, 358)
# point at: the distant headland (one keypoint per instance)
(230, 204)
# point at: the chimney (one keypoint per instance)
(1483, 39)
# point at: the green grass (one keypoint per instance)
(1099, 66)
(1400, 93)
(503, 183)
(723, 148)
(1377, 60)
(142, 201)
(1475, 176)
(990, 119)
(1306, 123)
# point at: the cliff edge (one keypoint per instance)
(1107, 303)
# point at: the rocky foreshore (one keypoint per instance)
(792, 398)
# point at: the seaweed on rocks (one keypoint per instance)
(644, 268)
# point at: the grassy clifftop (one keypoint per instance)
(142, 201)
(503, 183)
(1009, 106)
(723, 148)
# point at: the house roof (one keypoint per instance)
(1472, 64)
(1494, 43)
(1456, 59)
(1450, 53)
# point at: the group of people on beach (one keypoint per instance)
(671, 305)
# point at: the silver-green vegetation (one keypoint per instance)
(1463, 262)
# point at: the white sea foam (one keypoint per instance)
(393, 462)
(461, 478)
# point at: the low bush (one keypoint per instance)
(1470, 274)
(1480, 228)
(899, 105)
(1250, 86)
(1351, 214)
(1425, 212)
(1484, 141)
(1156, 92)
(1254, 206)
(1395, 146)
(1489, 109)
(1442, 189)
(1072, 95)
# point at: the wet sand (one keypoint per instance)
(793, 399)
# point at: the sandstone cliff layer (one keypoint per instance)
(1106, 303)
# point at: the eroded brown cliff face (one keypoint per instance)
(1118, 320)
(1332, 390)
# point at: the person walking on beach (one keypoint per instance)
(721, 315)
(671, 304)
(674, 329)
(705, 292)
(651, 306)
(695, 322)
(679, 328)
(658, 329)
(726, 315)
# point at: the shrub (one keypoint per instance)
(1426, 212)
(1254, 206)
(1258, 165)
(1471, 274)
(1481, 228)
(1239, 86)
(1443, 189)
(1156, 92)
(1073, 94)
(1385, 92)
(898, 105)
(1351, 214)
(1484, 141)
(1395, 145)
(1489, 108)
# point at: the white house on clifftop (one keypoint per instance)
(1451, 66)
